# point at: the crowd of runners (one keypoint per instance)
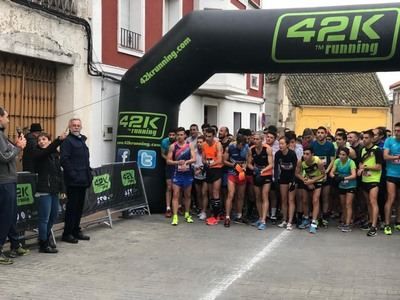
(292, 181)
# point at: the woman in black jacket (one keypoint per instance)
(49, 185)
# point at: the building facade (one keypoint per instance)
(43, 63)
(124, 30)
(354, 101)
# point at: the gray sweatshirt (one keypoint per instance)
(8, 154)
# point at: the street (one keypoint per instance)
(146, 258)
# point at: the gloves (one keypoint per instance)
(239, 169)
(338, 178)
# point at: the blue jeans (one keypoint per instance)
(48, 213)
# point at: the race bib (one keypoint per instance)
(366, 173)
(183, 168)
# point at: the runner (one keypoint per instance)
(285, 167)
(235, 158)
(326, 153)
(270, 140)
(200, 179)
(212, 160)
(370, 168)
(344, 173)
(169, 170)
(259, 160)
(311, 183)
(391, 154)
(181, 156)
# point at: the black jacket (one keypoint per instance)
(27, 158)
(47, 166)
(75, 161)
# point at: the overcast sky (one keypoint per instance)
(387, 78)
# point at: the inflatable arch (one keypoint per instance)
(330, 39)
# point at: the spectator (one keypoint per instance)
(8, 191)
(78, 177)
(31, 144)
(49, 185)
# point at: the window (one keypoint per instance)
(237, 121)
(172, 14)
(254, 81)
(210, 114)
(131, 27)
(253, 122)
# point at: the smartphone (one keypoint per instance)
(19, 131)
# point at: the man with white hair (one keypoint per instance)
(77, 177)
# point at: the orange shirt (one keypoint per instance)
(211, 153)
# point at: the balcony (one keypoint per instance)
(226, 84)
(67, 7)
(130, 40)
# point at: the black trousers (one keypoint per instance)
(73, 211)
(8, 214)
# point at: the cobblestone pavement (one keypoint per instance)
(146, 258)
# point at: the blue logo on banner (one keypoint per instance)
(123, 155)
(147, 159)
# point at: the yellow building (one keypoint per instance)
(354, 101)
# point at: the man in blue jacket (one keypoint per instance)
(77, 176)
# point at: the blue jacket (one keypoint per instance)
(74, 159)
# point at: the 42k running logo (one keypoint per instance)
(144, 125)
(352, 35)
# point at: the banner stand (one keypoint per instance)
(110, 223)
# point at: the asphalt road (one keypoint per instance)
(146, 258)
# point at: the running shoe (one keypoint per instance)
(174, 220)
(238, 220)
(212, 221)
(4, 260)
(283, 224)
(289, 227)
(273, 220)
(324, 223)
(305, 224)
(365, 226)
(189, 219)
(227, 222)
(202, 216)
(372, 231)
(261, 226)
(346, 228)
(256, 223)
(397, 227)
(168, 213)
(313, 228)
(20, 251)
(340, 226)
(387, 230)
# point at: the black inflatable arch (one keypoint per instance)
(335, 39)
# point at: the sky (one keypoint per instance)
(387, 78)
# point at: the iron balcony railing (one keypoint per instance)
(65, 6)
(130, 39)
